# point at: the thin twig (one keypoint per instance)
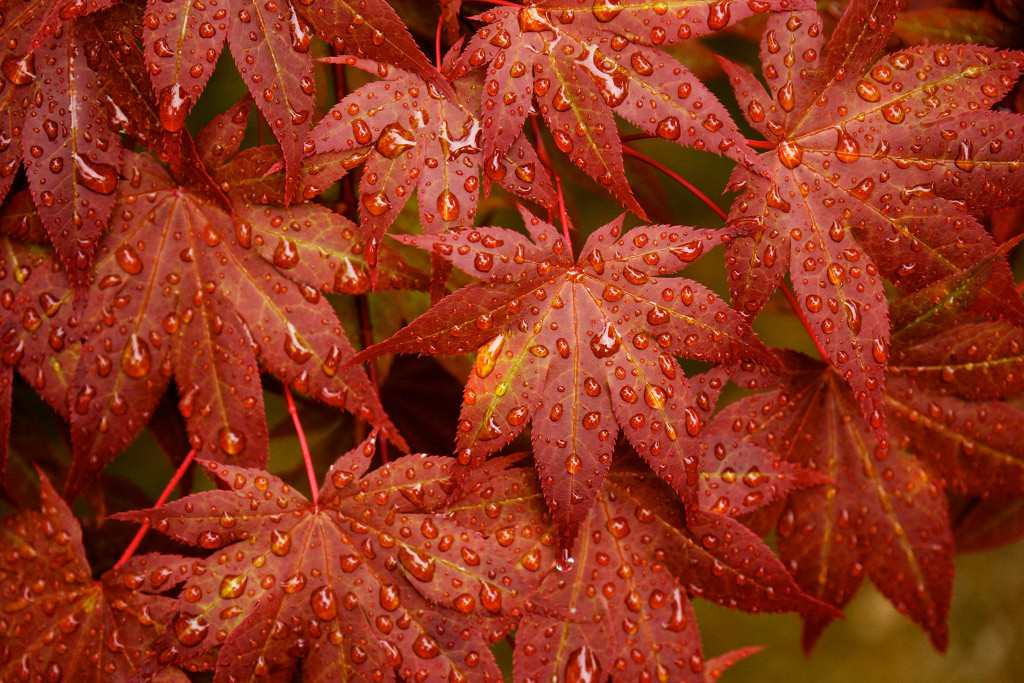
(678, 178)
(437, 42)
(178, 474)
(310, 472)
(761, 144)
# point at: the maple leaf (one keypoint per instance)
(947, 381)
(181, 289)
(580, 347)
(619, 605)
(358, 582)
(878, 498)
(18, 260)
(873, 164)
(61, 624)
(420, 136)
(270, 45)
(606, 61)
(71, 155)
(28, 23)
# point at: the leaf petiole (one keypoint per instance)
(178, 474)
(314, 489)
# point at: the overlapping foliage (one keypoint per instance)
(136, 257)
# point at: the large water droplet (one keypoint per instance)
(136, 359)
(583, 667)
(324, 603)
(231, 440)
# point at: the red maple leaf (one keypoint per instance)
(71, 155)
(61, 624)
(359, 582)
(875, 162)
(619, 606)
(182, 290)
(419, 136)
(883, 516)
(270, 45)
(582, 62)
(581, 347)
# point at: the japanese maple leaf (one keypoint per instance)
(419, 136)
(619, 607)
(71, 155)
(17, 260)
(884, 515)
(61, 624)
(873, 164)
(582, 347)
(581, 62)
(359, 582)
(943, 396)
(30, 23)
(270, 46)
(183, 290)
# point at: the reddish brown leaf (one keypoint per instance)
(618, 606)
(884, 516)
(557, 347)
(865, 180)
(61, 624)
(591, 73)
(359, 583)
(435, 151)
(195, 300)
(70, 153)
(182, 42)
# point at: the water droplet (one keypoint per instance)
(448, 206)
(376, 203)
(190, 630)
(174, 106)
(324, 603)
(231, 440)
(655, 396)
(425, 646)
(606, 10)
(565, 561)
(280, 542)
(19, 71)
(394, 140)
(965, 156)
(847, 149)
(669, 128)
(786, 98)
(419, 565)
(606, 343)
(294, 347)
(487, 356)
(868, 91)
(286, 254)
(233, 586)
(98, 177)
(618, 527)
(790, 154)
(893, 112)
(136, 359)
(583, 667)
(718, 15)
(573, 464)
